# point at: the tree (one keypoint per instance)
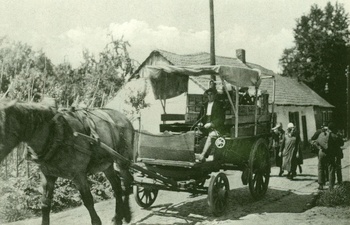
(106, 73)
(29, 75)
(319, 55)
(96, 80)
(23, 71)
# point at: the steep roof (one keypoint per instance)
(201, 58)
(288, 91)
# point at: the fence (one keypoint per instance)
(15, 164)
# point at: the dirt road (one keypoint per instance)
(286, 202)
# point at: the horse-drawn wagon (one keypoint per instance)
(170, 156)
(73, 143)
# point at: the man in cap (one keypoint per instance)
(320, 141)
(212, 117)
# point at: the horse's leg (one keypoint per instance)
(127, 180)
(127, 143)
(48, 184)
(114, 179)
(84, 189)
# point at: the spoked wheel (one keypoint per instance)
(218, 194)
(259, 163)
(145, 196)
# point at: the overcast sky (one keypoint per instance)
(63, 28)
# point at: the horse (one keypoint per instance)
(55, 147)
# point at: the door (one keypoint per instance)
(304, 127)
(294, 118)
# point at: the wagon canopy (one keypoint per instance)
(171, 81)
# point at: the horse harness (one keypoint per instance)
(56, 137)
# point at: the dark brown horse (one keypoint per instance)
(60, 153)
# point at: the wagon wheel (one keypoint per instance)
(145, 196)
(218, 194)
(259, 164)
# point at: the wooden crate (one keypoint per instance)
(191, 117)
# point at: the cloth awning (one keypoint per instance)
(171, 81)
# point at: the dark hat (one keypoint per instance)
(278, 126)
(331, 126)
(211, 90)
(243, 89)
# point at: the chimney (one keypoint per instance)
(240, 54)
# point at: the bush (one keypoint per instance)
(65, 195)
(339, 196)
(100, 187)
(20, 197)
(13, 208)
(14, 202)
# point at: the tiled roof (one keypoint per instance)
(201, 58)
(288, 91)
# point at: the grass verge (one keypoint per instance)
(339, 196)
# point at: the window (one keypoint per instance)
(324, 116)
(330, 115)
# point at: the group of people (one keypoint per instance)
(328, 142)
(287, 149)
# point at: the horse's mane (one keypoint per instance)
(30, 115)
(33, 112)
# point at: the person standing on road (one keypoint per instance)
(277, 137)
(333, 152)
(322, 163)
(290, 150)
(339, 156)
(329, 156)
(320, 141)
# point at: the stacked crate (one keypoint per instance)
(246, 119)
(246, 114)
(194, 104)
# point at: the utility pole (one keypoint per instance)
(212, 36)
(45, 76)
(347, 74)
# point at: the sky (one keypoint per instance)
(64, 28)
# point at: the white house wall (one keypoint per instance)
(151, 116)
(282, 113)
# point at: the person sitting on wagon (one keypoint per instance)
(244, 97)
(212, 117)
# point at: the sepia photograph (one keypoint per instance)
(169, 112)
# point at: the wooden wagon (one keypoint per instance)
(167, 160)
